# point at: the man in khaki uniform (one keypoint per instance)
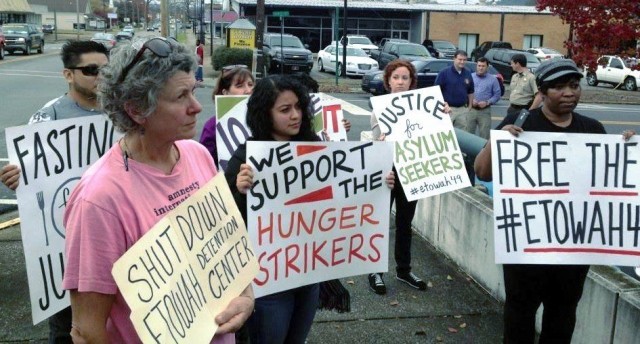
(524, 91)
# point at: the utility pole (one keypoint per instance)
(164, 19)
(260, 67)
(344, 43)
(104, 10)
(77, 20)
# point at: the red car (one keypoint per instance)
(1, 44)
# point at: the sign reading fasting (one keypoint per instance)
(187, 268)
(317, 211)
(52, 156)
(566, 198)
(427, 156)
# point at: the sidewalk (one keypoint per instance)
(454, 309)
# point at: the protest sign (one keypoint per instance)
(232, 129)
(427, 156)
(565, 198)
(231, 126)
(332, 117)
(187, 268)
(52, 156)
(317, 211)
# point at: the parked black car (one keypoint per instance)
(445, 49)
(48, 28)
(501, 60)
(287, 52)
(23, 37)
(427, 72)
(482, 49)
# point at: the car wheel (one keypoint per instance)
(320, 65)
(592, 79)
(630, 84)
(339, 71)
(27, 49)
(41, 48)
(1, 53)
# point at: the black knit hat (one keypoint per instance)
(553, 69)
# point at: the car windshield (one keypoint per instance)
(631, 62)
(532, 58)
(289, 42)
(15, 29)
(549, 51)
(414, 50)
(353, 52)
(359, 40)
(443, 45)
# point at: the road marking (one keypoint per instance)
(34, 71)
(9, 201)
(349, 107)
(4, 159)
(9, 223)
(26, 57)
(629, 123)
(32, 75)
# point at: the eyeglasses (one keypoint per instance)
(90, 70)
(159, 46)
(229, 68)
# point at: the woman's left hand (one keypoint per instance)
(627, 134)
(237, 312)
(346, 124)
(391, 179)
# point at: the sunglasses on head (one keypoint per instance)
(90, 70)
(159, 46)
(229, 68)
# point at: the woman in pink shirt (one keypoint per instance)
(148, 93)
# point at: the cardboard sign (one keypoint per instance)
(52, 156)
(566, 198)
(317, 211)
(201, 258)
(231, 126)
(427, 156)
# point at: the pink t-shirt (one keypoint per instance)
(111, 208)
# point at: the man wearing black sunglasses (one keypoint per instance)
(82, 61)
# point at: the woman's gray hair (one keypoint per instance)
(143, 83)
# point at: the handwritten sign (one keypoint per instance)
(232, 129)
(332, 117)
(317, 211)
(52, 156)
(566, 198)
(427, 156)
(187, 268)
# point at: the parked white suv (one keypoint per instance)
(362, 42)
(616, 71)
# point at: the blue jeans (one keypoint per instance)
(60, 327)
(285, 317)
(199, 76)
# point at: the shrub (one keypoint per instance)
(224, 56)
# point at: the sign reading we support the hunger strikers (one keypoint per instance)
(232, 129)
(427, 156)
(317, 211)
(52, 156)
(187, 268)
(566, 198)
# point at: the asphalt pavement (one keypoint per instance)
(453, 309)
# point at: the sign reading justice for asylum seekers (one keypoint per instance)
(52, 156)
(427, 156)
(317, 211)
(182, 273)
(566, 198)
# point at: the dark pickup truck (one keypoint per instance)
(401, 50)
(23, 37)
